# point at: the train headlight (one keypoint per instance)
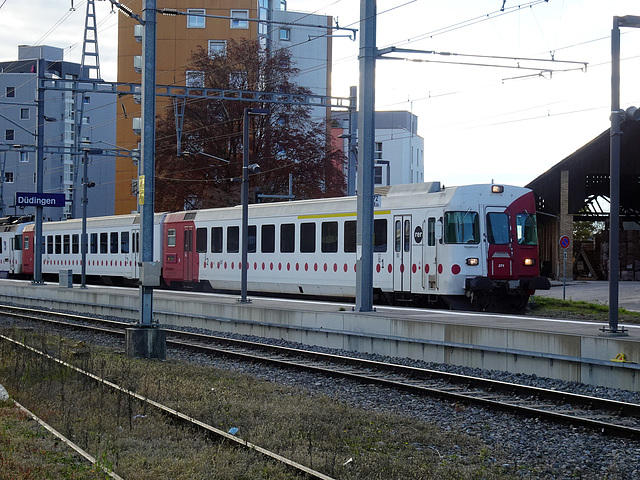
(473, 261)
(529, 262)
(497, 188)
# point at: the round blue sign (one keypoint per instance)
(564, 241)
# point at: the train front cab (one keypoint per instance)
(509, 256)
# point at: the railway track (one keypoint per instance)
(610, 417)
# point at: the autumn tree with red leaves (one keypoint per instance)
(284, 142)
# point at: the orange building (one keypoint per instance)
(177, 37)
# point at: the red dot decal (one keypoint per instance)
(378, 268)
(426, 268)
(315, 267)
(325, 267)
(297, 267)
(455, 269)
(335, 267)
(225, 265)
(414, 268)
(279, 266)
(440, 268)
(271, 266)
(262, 265)
(288, 266)
(346, 267)
(390, 268)
(402, 268)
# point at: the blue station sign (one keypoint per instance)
(26, 199)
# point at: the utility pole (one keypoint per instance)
(366, 139)
(37, 247)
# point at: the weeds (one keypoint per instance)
(139, 443)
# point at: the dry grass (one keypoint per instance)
(138, 443)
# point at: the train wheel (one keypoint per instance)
(517, 303)
(482, 302)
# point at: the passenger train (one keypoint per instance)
(468, 246)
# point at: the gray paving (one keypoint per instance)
(596, 292)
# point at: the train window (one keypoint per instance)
(171, 237)
(201, 240)
(17, 242)
(398, 230)
(380, 235)
(287, 238)
(75, 243)
(349, 241)
(233, 239)
(252, 240)
(50, 244)
(136, 242)
(407, 235)
(58, 244)
(431, 231)
(66, 244)
(526, 229)
(216, 239)
(93, 243)
(124, 242)
(329, 239)
(104, 242)
(307, 237)
(461, 227)
(114, 242)
(497, 228)
(26, 244)
(268, 239)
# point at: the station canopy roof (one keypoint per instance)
(589, 169)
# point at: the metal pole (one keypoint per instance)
(351, 159)
(244, 193)
(37, 248)
(83, 242)
(614, 178)
(366, 133)
(148, 152)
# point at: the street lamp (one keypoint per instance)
(244, 193)
(86, 184)
(614, 175)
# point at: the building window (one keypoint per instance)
(8, 177)
(194, 78)
(24, 157)
(24, 114)
(239, 19)
(378, 151)
(217, 47)
(194, 20)
(85, 120)
(377, 174)
(9, 135)
(11, 91)
(285, 34)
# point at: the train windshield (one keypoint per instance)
(497, 228)
(526, 229)
(461, 227)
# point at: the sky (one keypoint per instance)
(479, 123)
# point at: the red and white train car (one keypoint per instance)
(472, 244)
(11, 246)
(113, 250)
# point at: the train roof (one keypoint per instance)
(389, 197)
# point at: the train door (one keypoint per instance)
(134, 253)
(430, 253)
(402, 253)
(187, 261)
(497, 248)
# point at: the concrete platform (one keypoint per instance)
(563, 349)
